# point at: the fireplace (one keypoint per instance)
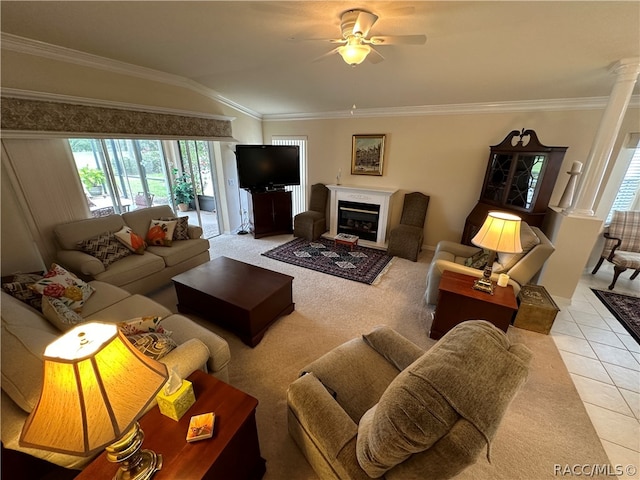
(361, 211)
(359, 219)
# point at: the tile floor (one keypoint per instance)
(604, 362)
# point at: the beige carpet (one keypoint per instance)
(545, 425)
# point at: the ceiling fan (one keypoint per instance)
(355, 46)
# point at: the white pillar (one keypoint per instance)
(627, 73)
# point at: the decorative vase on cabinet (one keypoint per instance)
(519, 179)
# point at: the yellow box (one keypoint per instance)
(175, 405)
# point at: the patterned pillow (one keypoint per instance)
(161, 232)
(152, 344)
(18, 287)
(105, 248)
(182, 227)
(59, 314)
(478, 260)
(59, 283)
(143, 325)
(131, 240)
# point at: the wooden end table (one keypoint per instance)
(458, 301)
(232, 452)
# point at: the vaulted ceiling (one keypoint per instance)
(257, 54)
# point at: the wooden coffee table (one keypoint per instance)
(242, 298)
(232, 452)
(458, 301)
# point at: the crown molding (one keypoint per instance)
(34, 47)
(93, 102)
(28, 46)
(559, 104)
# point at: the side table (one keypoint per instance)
(458, 301)
(232, 452)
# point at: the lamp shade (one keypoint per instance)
(500, 232)
(354, 53)
(96, 385)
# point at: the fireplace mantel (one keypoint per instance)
(371, 195)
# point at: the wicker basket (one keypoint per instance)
(537, 309)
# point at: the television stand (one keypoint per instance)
(272, 213)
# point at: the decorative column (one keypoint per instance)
(627, 71)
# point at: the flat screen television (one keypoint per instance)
(267, 167)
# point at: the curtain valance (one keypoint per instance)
(69, 119)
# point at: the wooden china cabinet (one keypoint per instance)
(519, 179)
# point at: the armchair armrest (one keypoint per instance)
(315, 410)
(80, 262)
(613, 250)
(396, 349)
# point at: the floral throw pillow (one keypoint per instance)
(181, 231)
(152, 344)
(59, 283)
(131, 240)
(161, 232)
(59, 314)
(143, 325)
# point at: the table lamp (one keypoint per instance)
(500, 232)
(96, 385)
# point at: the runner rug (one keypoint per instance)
(625, 308)
(365, 265)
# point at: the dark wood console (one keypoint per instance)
(272, 213)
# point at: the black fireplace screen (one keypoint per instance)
(359, 219)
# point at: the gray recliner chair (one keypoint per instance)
(313, 223)
(520, 267)
(380, 406)
(406, 239)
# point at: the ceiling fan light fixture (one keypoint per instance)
(354, 54)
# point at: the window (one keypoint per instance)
(298, 192)
(628, 197)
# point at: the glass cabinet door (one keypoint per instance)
(497, 177)
(524, 183)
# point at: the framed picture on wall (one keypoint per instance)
(367, 154)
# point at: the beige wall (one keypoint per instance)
(444, 156)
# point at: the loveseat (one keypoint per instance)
(26, 332)
(136, 273)
(379, 406)
(521, 267)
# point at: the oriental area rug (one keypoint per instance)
(625, 308)
(365, 265)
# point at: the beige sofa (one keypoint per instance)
(134, 273)
(452, 256)
(26, 332)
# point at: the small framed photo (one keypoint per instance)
(367, 154)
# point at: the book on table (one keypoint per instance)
(201, 427)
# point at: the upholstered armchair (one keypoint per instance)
(521, 267)
(406, 239)
(379, 405)
(622, 245)
(313, 223)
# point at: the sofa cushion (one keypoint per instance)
(528, 239)
(180, 251)
(105, 247)
(59, 314)
(60, 283)
(131, 240)
(104, 296)
(131, 268)
(69, 234)
(131, 307)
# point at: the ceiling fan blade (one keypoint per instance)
(398, 40)
(374, 56)
(364, 22)
(326, 55)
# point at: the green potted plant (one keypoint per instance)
(93, 178)
(182, 190)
